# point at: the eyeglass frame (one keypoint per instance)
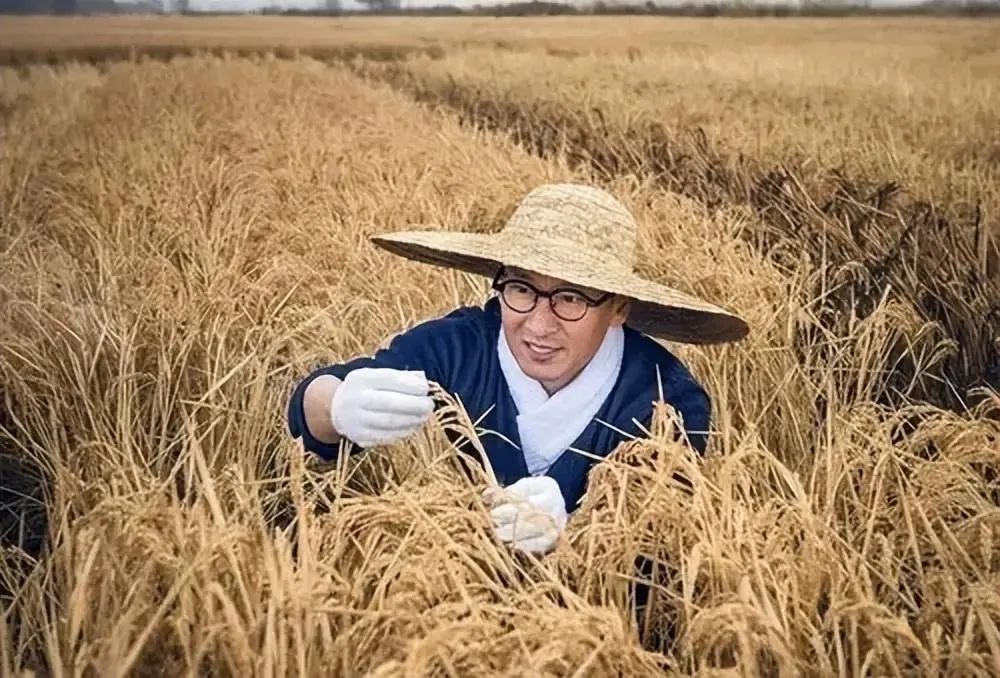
(591, 303)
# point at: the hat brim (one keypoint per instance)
(657, 310)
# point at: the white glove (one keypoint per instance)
(530, 514)
(375, 406)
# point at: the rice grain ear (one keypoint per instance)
(453, 417)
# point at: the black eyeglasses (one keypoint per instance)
(567, 303)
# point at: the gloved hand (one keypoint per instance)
(530, 514)
(375, 406)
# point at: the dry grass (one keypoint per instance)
(922, 114)
(180, 242)
(840, 152)
(925, 36)
(908, 99)
(870, 144)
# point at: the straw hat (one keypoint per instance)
(582, 235)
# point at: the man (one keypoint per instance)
(557, 361)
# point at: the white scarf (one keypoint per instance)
(549, 425)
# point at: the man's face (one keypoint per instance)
(552, 350)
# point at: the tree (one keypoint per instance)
(381, 5)
(25, 7)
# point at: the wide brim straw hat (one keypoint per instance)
(585, 236)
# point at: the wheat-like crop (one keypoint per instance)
(180, 242)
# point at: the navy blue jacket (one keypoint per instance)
(459, 351)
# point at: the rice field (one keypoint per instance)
(184, 208)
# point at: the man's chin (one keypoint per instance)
(540, 369)
(546, 374)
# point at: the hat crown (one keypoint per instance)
(583, 235)
(580, 216)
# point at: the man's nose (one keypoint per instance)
(541, 319)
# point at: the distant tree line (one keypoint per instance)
(78, 7)
(39, 6)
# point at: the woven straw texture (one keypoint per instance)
(585, 236)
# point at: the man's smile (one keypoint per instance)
(539, 350)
